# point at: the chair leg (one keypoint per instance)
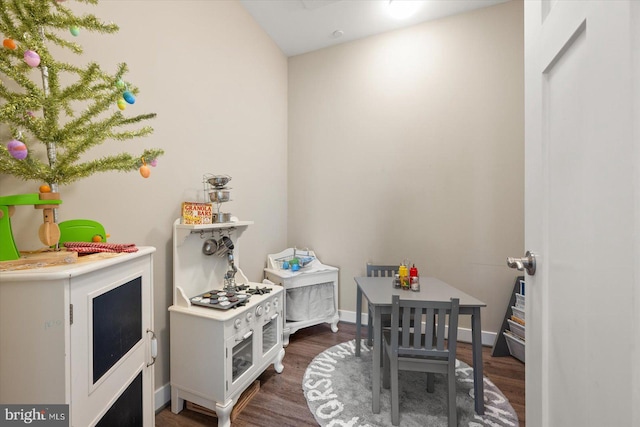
(369, 327)
(451, 394)
(430, 382)
(395, 396)
(385, 367)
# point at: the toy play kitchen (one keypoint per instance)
(225, 331)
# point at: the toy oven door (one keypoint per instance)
(240, 359)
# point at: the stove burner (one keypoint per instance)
(258, 291)
(221, 299)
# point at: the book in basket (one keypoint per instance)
(197, 213)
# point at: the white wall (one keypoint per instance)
(219, 86)
(635, 43)
(409, 146)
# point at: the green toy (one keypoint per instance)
(82, 230)
(8, 249)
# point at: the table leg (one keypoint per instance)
(478, 378)
(358, 317)
(377, 347)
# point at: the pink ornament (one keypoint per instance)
(31, 58)
(153, 163)
(17, 149)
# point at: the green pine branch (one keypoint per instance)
(52, 118)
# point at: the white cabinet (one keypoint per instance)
(81, 334)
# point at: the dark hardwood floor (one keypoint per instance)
(280, 401)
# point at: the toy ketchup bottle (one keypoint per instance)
(414, 280)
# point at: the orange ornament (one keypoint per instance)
(9, 44)
(144, 169)
(97, 238)
(44, 188)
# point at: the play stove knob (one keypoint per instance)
(237, 323)
(259, 311)
(249, 317)
(267, 307)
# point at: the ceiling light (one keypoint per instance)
(401, 9)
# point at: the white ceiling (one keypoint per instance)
(300, 26)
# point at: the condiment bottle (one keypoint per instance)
(403, 272)
(396, 281)
(413, 271)
(414, 280)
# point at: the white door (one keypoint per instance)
(110, 345)
(582, 212)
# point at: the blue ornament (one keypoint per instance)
(128, 96)
(74, 30)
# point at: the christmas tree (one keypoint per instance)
(53, 125)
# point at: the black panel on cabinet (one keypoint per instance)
(127, 410)
(117, 325)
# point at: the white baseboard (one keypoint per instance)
(464, 334)
(162, 397)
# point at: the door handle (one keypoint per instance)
(154, 347)
(528, 262)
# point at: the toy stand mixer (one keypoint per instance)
(49, 233)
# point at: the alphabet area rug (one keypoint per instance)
(337, 386)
